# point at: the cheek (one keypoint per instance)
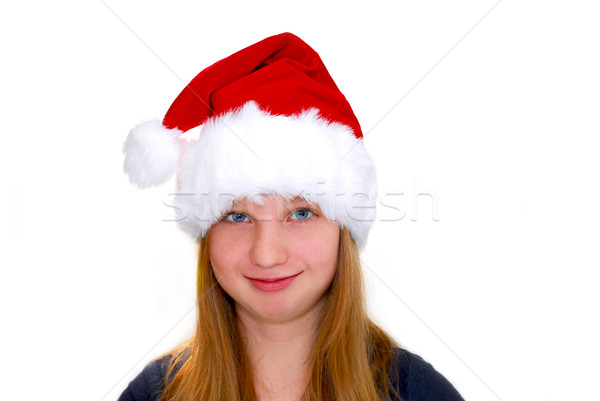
(322, 251)
(226, 249)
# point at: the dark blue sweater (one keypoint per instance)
(414, 379)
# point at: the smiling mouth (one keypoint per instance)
(272, 284)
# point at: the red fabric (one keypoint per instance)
(282, 74)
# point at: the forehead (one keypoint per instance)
(268, 201)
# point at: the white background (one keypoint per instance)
(495, 118)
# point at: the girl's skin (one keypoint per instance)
(276, 260)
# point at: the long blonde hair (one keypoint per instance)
(351, 355)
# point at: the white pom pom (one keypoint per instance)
(152, 153)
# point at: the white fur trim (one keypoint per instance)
(248, 152)
(152, 153)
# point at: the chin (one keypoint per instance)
(280, 311)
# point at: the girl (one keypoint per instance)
(279, 192)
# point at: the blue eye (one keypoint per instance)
(237, 217)
(301, 214)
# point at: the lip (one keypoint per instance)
(272, 284)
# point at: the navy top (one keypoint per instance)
(414, 379)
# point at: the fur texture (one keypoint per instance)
(250, 153)
(152, 153)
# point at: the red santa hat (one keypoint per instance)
(273, 122)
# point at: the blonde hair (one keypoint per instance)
(351, 355)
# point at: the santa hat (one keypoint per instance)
(273, 122)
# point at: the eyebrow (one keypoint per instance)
(289, 204)
(298, 199)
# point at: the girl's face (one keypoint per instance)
(275, 260)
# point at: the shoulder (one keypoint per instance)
(411, 376)
(416, 380)
(147, 386)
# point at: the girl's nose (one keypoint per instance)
(268, 249)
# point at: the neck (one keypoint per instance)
(279, 353)
(279, 344)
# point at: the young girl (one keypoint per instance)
(279, 192)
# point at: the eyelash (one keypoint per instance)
(229, 217)
(311, 213)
